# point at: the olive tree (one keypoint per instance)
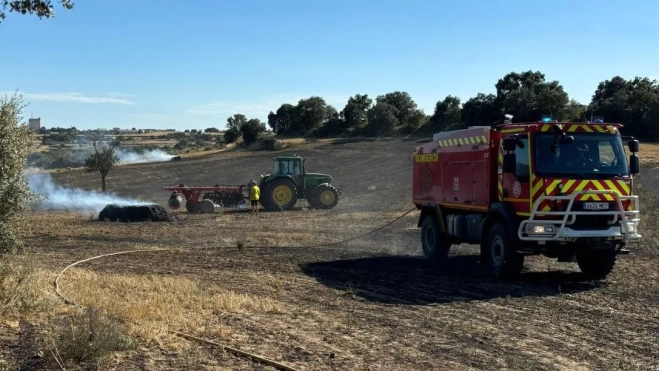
(40, 8)
(102, 159)
(15, 193)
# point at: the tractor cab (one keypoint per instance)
(292, 166)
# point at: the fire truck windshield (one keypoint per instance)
(589, 155)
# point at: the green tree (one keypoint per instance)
(280, 122)
(15, 194)
(574, 112)
(309, 114)
(332, 127)
(102, 159)
(480, 110)
(630, 103)
(527, 96)
(355, 112)
(382, 119)
(231, 135)
(251, 130)
(236, 121)
(447, 114)
(402, 102)
(40, 8)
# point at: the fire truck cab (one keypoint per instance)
(560, 189)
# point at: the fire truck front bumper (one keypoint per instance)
(553, 232)
(621, 225)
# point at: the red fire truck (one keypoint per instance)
(563, 190)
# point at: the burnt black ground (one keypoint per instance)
(375, 302)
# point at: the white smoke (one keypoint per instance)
(131, 157)
(55, 197)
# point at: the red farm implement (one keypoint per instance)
(229, 196)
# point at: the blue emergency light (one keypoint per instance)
(546, 119)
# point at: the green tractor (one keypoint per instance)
(289, 182)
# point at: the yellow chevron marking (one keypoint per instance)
(569, 184)
(580, 187)
(600, 129)
(600, 187)
(483, 138)
(573, 128)
(612, 186)
(587, 129)
(537, 187)
(552, 186)
(624, 186)
(546, 208)
(545, 127)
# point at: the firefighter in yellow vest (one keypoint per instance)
(254, 195)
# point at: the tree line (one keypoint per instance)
(526, 95)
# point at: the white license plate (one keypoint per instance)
(596, 206)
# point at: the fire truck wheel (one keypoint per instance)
(500, 258)
(435, 248)
(596, 264)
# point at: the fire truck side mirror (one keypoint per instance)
(633, 146)
(634, 164)
(510, 163)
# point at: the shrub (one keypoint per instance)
(87, 337)
(15, 193)
(231, 135)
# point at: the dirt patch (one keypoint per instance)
(153, 213)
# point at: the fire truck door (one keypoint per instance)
(517, 188)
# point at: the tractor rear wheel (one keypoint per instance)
(325, 197)
(206, 206)
(280, 195)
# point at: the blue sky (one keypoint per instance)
(156, 64)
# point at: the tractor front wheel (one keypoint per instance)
(281, 195)
(325, 197)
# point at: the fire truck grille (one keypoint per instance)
(590, 222)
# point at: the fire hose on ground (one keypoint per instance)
(231, 350)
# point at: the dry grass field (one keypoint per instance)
(258, 284)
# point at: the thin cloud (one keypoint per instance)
(75, 98)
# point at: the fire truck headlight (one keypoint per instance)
(540, 229)
(632, 227)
